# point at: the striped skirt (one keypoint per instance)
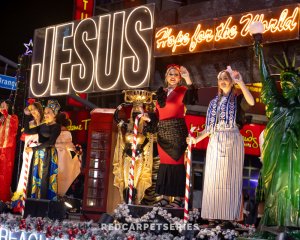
(223, 177)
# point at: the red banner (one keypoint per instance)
(250, 133)
(75, 103)
(199, 123)
(84, 9)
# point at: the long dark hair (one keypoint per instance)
(39, 107)
(63, 119)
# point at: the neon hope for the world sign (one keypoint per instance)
(280, 24)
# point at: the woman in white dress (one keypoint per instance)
(68, 160)
(222, 189)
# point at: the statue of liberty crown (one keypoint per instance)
(287, 66)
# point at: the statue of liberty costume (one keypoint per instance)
(281, 148)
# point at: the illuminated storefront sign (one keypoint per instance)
(107, 52)
(250, 133)
(81, 126)
(84, 9)
(79, 123)
(280, 24)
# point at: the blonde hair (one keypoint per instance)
(167, 72)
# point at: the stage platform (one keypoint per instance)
(134, 215)
(43, 228)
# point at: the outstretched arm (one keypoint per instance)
(237, 78)
(201, 136)
(185, 75)
(269, 93)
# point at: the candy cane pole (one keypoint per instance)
(28, 157)
(187, 179)
(131, 170)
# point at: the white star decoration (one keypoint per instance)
(28, 47)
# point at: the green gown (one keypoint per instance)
(281, 148)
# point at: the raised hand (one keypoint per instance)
(235, 75)
(185, 75)
(184, 72)
(26, 111)
(237, 78)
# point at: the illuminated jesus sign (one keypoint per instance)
(107, 52)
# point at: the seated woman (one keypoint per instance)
(68, 160)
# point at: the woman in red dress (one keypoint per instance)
(8, 131)
(172, 131)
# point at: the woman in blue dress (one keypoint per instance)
(43, 182)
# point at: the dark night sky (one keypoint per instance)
(19, 19)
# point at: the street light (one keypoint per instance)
(256, 29)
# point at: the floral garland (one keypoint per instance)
(52, 229)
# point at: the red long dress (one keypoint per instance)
(8, 132)
(172, 132)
